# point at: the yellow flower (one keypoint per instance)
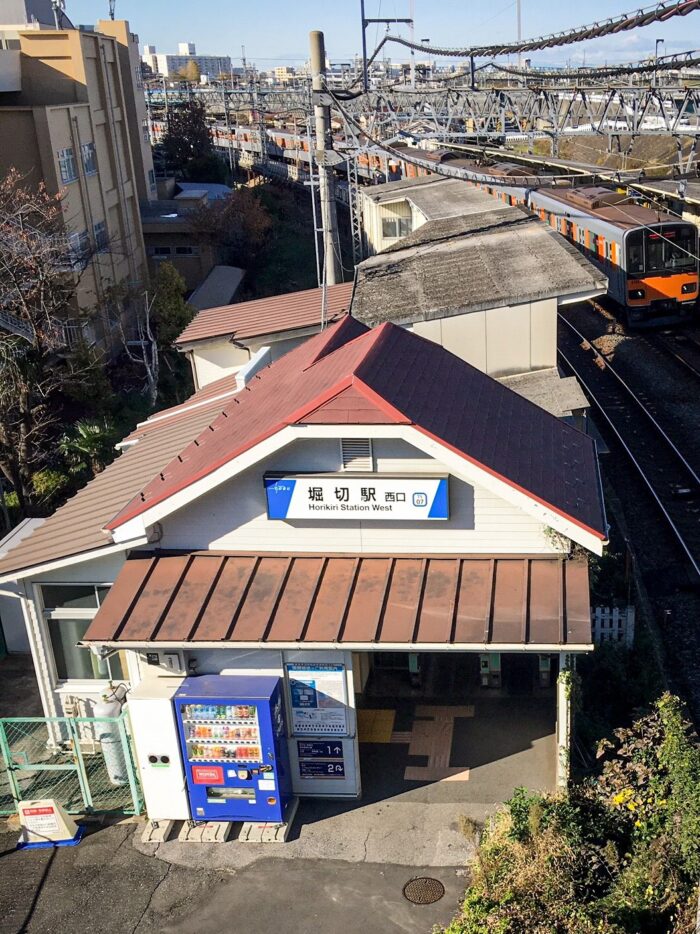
(631, 806)
(637, 823)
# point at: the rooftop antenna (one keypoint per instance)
(112, 4)
(58, 7)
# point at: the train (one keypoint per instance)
(650, 257)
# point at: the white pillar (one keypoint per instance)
(564, 685)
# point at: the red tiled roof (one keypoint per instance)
(411, 600)
(346, 371)
(287, 312)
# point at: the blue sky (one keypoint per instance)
(276, 31)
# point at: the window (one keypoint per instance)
(89, 158)
(670, 248)
(67, 166)
(79, 246)
(152, 178)
(101, 237)
(159, 252)
(396, 227)
(68, 610)
(187, 251)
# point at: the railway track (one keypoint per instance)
(668, 476)
(683, 346)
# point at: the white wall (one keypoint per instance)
(477, 337)
(234, 517)
(217, 358)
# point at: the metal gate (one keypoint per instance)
(70, 759)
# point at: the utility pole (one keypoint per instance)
(324, 149)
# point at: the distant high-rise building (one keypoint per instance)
(170, 66)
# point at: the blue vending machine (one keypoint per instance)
(232, 731)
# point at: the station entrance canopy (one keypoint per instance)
(407, 603)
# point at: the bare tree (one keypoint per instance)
(142, 348)
(39, 275)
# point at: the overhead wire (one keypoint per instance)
(658, 13)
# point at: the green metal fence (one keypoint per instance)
(84, 763)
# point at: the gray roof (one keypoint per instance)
(558, 395)
(218, 288)
(213, 190)
(492, 260)
(434, 197)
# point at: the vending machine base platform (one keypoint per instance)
(157, 831)
(259, 832)
(214, 831)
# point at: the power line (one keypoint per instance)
(659, 13)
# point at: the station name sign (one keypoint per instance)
(340, 496)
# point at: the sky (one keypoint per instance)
(275, 32)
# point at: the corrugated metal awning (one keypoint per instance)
(349, 601)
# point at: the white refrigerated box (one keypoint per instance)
(157, 746)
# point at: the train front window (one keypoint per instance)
(670, 249)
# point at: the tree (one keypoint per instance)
(237, 226)
(191, 72)
(164, 313)
(88, 445)
(39, 274)
(187, 136)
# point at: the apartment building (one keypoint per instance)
(170, 65)
(72, 116)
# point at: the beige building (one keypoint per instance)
(72, 107)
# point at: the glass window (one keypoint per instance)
(76, 663)
(152, 178)
(89, 158)
(70, 596)
(635, 252)
(670, 248)
(66, 165)
(101, 237)
(396, 226)
(79, 246)
(161, 251)
(186, 250)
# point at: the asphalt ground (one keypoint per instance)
(105, 885)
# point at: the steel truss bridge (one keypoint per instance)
(458, 114)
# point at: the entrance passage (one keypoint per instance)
(449, 727)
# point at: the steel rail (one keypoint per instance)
(659, 342)
(596, 401)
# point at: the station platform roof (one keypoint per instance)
(348, 601)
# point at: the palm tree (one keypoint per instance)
(88, 445)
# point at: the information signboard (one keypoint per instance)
(318, 699)
(317, 768)
(341, 496)
(320, 749)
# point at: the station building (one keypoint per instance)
(369, 506)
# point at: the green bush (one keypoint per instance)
(616, 855)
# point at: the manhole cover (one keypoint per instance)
(424, 890)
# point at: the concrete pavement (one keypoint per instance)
(105, 884)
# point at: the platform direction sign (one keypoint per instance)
(332, 749)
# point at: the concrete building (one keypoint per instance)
(452, 577)
(238, 339)
(170, 65)
(75, 115)
(169, 237)
(483, 279)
